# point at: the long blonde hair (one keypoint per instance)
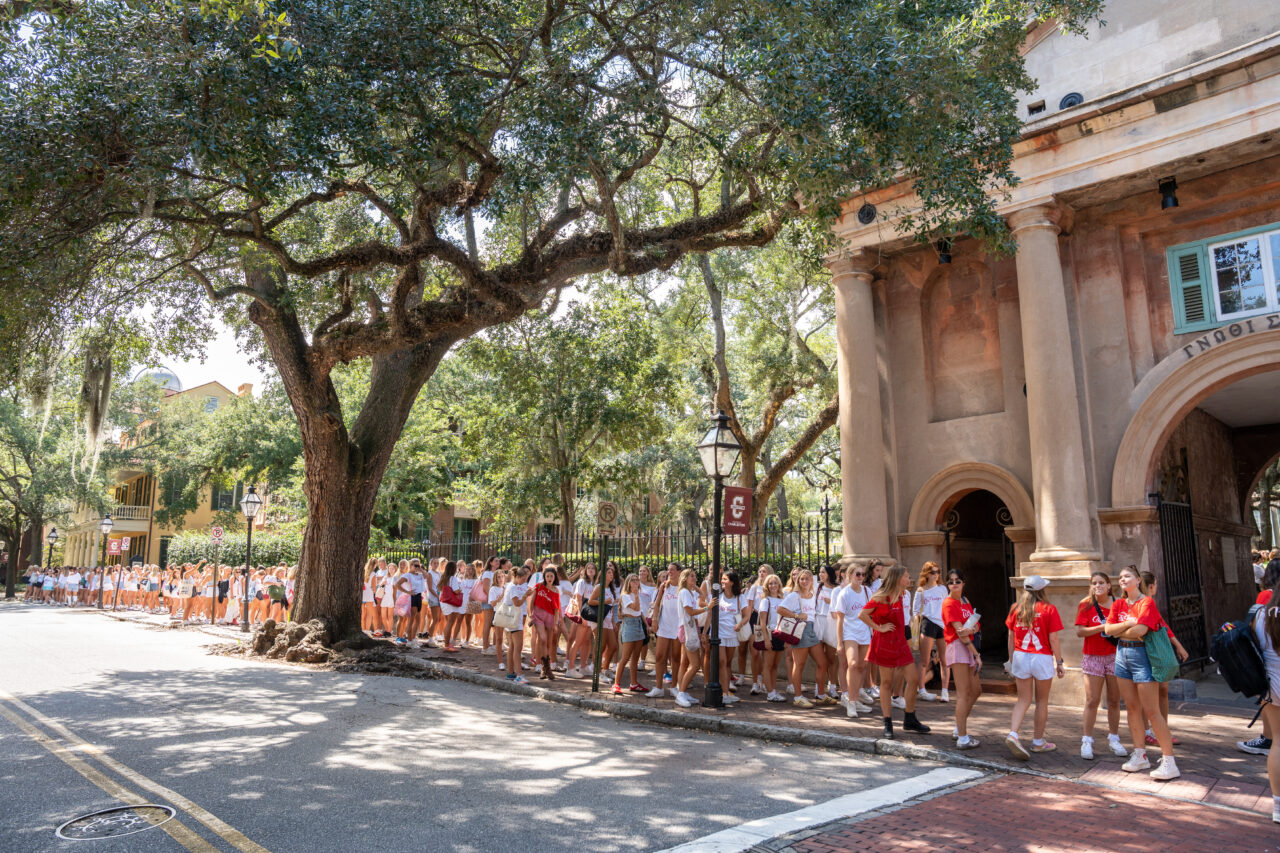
(1025, 609)
(793, 581)
(888, 590)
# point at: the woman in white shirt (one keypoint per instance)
(577, 657)
(648, 594)
(735, 614)
(367, 605)
(691, 606)
(632, 634)
(801, 602)
(828, 586)
(516, 594)
(497, 637)
(766, 608)
(607, 591)
(665, 618)
(487, 635)
(927, 604)
(754, 594)
(854, 640)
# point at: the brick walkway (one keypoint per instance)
(1213, 769)
(1018, 813)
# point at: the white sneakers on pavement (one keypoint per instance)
(1086, 748)
(925, 696)
(1116, 747)
(898, 702)
(1167, 770)
(1137, 762)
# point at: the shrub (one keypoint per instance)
(268, 548)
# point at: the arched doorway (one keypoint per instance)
(1206, 422)
(975, 543)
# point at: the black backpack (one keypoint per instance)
(1235, 648)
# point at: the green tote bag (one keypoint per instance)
(1164, 664)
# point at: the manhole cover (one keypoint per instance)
(112, 823)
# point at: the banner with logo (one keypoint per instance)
(737, 510)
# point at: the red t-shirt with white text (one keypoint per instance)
(1087, 616)
(1035, 638)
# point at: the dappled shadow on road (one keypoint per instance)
(396, 761)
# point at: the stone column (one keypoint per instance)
(1063, 528)
(1065, 550)
(862, 451)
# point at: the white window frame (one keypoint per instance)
(1268, 275)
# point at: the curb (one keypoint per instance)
(720, 725)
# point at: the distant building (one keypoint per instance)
(136, 495)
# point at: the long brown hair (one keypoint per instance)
(1093, 599)
(1026, 606)
(889, 586)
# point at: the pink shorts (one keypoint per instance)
(1098, 665)
(957, 653)
(543, 617)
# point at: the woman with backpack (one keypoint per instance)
(1098, 663)
(1034, 658)
(1132, 618)
(452, 604)
(890, 652)
(1266, 626)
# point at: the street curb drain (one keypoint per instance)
(115, 822)
(709, 723)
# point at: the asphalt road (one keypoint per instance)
(265, 757)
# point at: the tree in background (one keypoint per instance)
(333, 199)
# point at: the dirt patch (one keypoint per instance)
(378, 659)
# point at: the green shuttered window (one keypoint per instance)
(1225, 278)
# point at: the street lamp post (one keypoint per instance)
(249, 505)
(826, 525)
(105, 526)
(53, 538)
(719, 451)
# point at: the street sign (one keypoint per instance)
(113, 547)
(737, 510)
(124, 542)
(607, 518)
(217, 535)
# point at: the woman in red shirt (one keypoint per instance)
(545, 615)
(961, 656)
(890, 651)
(1099, 665)
(1131, 619)
(1034, 625)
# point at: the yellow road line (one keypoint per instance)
(233, 836)
(179, 831)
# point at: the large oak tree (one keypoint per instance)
(423, 169)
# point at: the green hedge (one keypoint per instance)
(268, 548)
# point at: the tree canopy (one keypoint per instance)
(424, 169)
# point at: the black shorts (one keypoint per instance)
(415, 601)
(223, 588)
(778, 645)
(929, 629)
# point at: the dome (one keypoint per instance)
(162, 376)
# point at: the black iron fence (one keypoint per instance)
(809, 543)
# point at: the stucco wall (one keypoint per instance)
(1138, 41)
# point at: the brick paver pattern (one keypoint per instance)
(1018, 813)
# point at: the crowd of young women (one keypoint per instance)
(188, 592)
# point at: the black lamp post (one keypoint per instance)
(249, 505)
(719, 451)
(53, 538)
(105, 526)
(9, 581)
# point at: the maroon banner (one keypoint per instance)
(737, 510)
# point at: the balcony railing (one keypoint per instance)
(124, 512)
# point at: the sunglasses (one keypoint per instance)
(859, 575)
(953, 581)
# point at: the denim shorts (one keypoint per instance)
(810, 638)
(632, 630)
(1132, 664)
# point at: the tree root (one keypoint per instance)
(306, 642)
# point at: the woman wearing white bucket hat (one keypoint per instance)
(1035, 657)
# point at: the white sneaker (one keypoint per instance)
(730, 699)
(955, 733)
(944, 696)
(502, 666)
(587, 670)
(574, 673)
(851, 710)
(640, 666)
(1167, 770)
(1116, 747)
(865, 695)
(756, 689)
(675, 694)
(875, 692)
(490, 650)
(683, 700)
(791, 691)
(925, 696)
(898, 702)
(862, 709)
(656, 693)
(832, 689)
(775, 696)
(1137, 761)
(1086, 748)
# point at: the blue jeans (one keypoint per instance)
(1132, 664)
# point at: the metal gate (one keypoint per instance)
(1183, 604)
